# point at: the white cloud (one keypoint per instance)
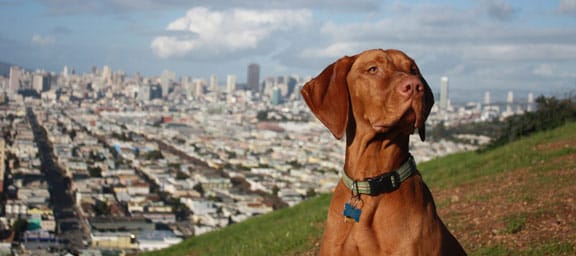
(523, 51)
(214, 33)
(470, 44)
(461, 33)
(123, 6)
(481, 43)
(333, 51)
(41, 40)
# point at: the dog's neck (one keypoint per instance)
(369, 154)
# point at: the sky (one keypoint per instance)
(524, 45)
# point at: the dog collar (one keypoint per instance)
(384, 183)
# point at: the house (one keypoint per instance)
(156, 240)
(113, 240)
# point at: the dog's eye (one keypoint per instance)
(413, 70)
(372, 69)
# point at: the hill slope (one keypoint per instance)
(518, 199)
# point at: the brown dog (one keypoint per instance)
(381, 206)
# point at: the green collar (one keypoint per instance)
(384, 183)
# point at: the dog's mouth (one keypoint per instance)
(405, 122)
(380, 128)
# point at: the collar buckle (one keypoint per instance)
(384, 183)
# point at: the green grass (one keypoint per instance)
(295, 230)
(288, 231)
(464, 167)
(551, 248)
(514, 222)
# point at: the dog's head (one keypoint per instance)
(380, 89)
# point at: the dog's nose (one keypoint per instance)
(410, 85)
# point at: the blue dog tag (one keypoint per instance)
(352, 212)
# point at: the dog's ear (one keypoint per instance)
(427, 103)
(327, 96)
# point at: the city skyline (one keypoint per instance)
(477, 44)
(40, 81)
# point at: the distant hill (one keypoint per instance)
(516, 199)
(5, 69)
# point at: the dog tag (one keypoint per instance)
(352, 212)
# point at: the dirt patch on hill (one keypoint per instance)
(518, 210)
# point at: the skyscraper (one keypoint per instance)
(198, 88)
(230, 84)
(107, 74)
(487, 98)
(253, 78)
(509, 101)
(166, 79)
(40, 83)
(510, 97)
(188, 86)
(443, 93)
(65, 71)
(276, 98)
(144, 92)
(214, 83)
(530, 104)
(14, 80)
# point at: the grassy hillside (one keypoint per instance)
(283, 232)
(518, 199)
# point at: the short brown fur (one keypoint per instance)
(377, 99)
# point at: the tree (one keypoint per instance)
(72, 134)
(550, 113)
(310, 193)
(275, 190)
(95, 172)
(198, 188)
(154, 155)
(262, 115)
(181, 211)
(295, 164)
(101, 208)
(19, 227)
(181, 175)
(175, 166)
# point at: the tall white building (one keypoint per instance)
(487, 98)
(144, 92)
(213, 83)
(509, 101)
(40, 83)
(230, 84)
(198, 88)
(269, 85)
(530, 105)
(65, 71)
(444, 93)
(14, 80)
(188, 86)
(107, 74)
(166, 80)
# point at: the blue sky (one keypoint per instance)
(478, 44)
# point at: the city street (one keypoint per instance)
(69, 224)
